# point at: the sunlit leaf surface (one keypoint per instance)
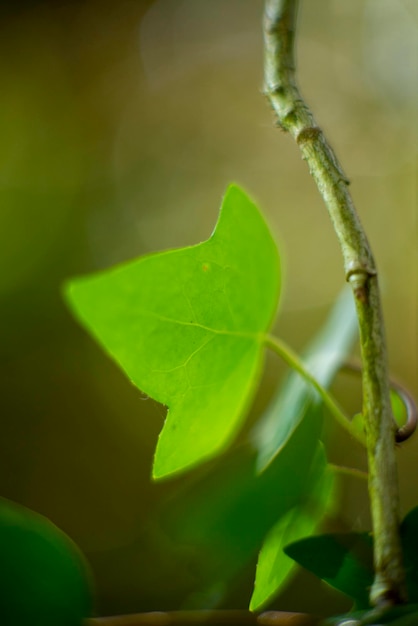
(187, 327)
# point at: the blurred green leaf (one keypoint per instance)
(44, 579)
(343, 560)
(187, 327)
(323, 358)
(274, 566)
(225, 515)
(398, 408)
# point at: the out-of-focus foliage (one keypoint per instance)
(274, 567)
(44, 579)
(345, 561)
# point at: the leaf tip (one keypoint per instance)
(156, 476)
(261, 598)
(66, 290)
(69, 289)
(235, 191)
(255, 603)
(165, 464)
(234, 188)
(159, 469)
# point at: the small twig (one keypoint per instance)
(291, 358)
(349, 471)
(294, 116)
(207, 618)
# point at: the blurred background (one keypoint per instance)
(121, 125)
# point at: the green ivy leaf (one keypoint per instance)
(343, 560)
(274, 566)
(187, 326)
(44, 579)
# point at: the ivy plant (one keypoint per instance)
(190, 328)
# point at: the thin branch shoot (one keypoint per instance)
(294, 116)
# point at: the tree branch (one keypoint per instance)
(294, 116)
